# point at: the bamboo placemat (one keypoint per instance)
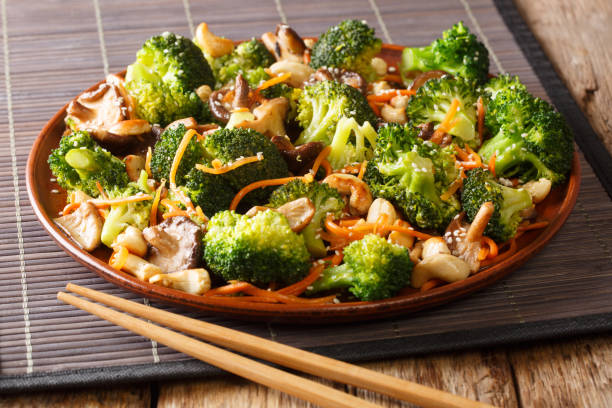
(52, 50)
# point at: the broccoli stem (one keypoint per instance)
(337, 277)
(315, 245)
(514, 202)
(82, 159)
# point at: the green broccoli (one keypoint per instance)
(373, 269)
(227, 145)
(458, 52)
(163, 79)
(433, 101)
(351, 143)
(325, 199)
(413, 174)
(132, 214)
(502, 82)
(350, 45)
(479, 187)
(165, 150)
(259, 249)
(321, 106)
(79, 162)
(531, 140)
(248, 58)
(211, 192)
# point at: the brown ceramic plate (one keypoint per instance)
(47, 205)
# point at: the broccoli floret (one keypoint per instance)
(321, 106)
(325, 199)
(413, 174)
(373, 269)
(259, 249)
(168, 70)
(531, 140)
(351, 143)
(211, 192)
(433, 101)
(502, 82)
(350, 45)
(165, 150)
(248, 58)
(79, 162)
(227, 145)
(479, 187)
(134, 214)
(458, 52)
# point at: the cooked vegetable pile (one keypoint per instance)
(291, 171)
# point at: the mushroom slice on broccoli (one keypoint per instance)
(269, 117)
(175, 244)
(84, 226)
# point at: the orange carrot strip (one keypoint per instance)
(452, 189)
(328, 169)
(180, 151)
(483, 253)
(481, 115)
(70, 208)
(350, 168)
(462, 154)
(349, 222)
(148, 162)
(446, 125)
(307, 56)
(493, 250)
(468, 165)
(386, 96)
(273, 81)
(243, 109)
(230, 167)
(171, 205)
(338, 230)
(393, 78)
(420, 235)
(101, 190)
(258, 184)
(535, 225)
(155, 205)
(492, 164)
(362, 169)
(120, 201)
(119, 257)
(299, 287)
(374, 107)
(320, 157)
(170, 214)
(232, 288)
(430, 284)
(200, 213)
(505, 255)
(474, 156)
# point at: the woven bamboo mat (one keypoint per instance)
(51, 50)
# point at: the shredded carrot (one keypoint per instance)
(148, 162)
(393, 78)
(452, 189)
(262, 295)
(103, 213)
(120, 201)
(70, 208)
(350, 168)
(229, 167)
(462, 154)
(101, 190)
(228, 97)
(473, 155)
(170, 214)
(341, 231)
(180, 151)
(259, 184)
(183, 199)
(483, 253)
(362, 169)
(171, 205)
(481, 115)
(493, 250)
(232, 288)
(320, 157)
(492, 164)
(307, 56)
(447, 123)
(328, 169)
(374, 107)
(386, 96)
(430, 284)
(273, 81)
(299, 287)
(349, 222)
(244, 109)
(409, 231)
(119, 257)
(507, 254)
(535, 225)
(153, 214)
(468, 165)
(200, 213)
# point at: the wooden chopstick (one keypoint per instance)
(285, 355)
(260, 373)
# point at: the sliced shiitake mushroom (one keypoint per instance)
(298, 212)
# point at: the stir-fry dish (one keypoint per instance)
(301, 171)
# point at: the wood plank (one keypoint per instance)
(576, 36)
(574, 373)
(485, 376)
(123, 397)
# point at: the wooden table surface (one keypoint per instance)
(576, 35)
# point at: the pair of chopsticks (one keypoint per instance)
(274, 352)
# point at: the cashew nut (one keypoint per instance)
(538, 189)
(189, 123)
(360, 197)
(140, 268)
(381, 211)
(299, 72)
(212, 45)
(395, 115)
(445, 267)
(379, 65)
(401, 238)
(133, 165)
(203, 92)
(298, 212)
(131, 238)
(415, 253)
(434, 246)
(193, 281)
